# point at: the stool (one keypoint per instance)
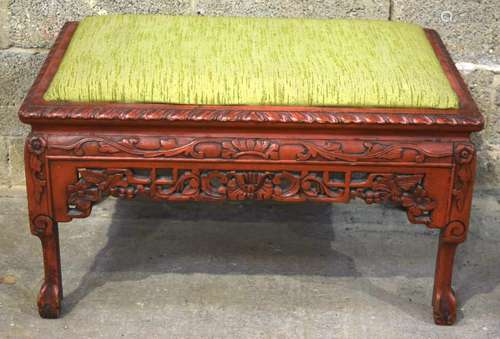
(215, 109)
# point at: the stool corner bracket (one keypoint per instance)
(406, 190)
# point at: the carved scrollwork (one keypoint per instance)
(94, 185)
(36, 147)
(42, 226)
(174, 184)
(455, 232)
(406, 190)
(253, 148)
(147, 147)
(463, 156)
(372, 151)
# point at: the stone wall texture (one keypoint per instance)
(470, 29)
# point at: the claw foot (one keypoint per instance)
(445, 308)
(49, 301)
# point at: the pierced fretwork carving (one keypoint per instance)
(194, 184)
(406, 190)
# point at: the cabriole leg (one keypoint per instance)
(43, 225)
(443, 300)
(51, 294)
(455, 232)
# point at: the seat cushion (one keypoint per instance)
(251, 61)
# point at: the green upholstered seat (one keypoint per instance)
(251, 61)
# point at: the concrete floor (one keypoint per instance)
(265, 270)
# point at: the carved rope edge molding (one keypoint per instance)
(63, 112)
(94, 185)
(252, 148)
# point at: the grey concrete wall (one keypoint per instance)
(469, 29)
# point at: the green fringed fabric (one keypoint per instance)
(251, 61)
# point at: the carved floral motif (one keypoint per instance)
(463, 154)
(179, 184)
(406, 190)
(36, 147)
(70, 145)
(253, 148)
(42, 225)
(259, 148)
